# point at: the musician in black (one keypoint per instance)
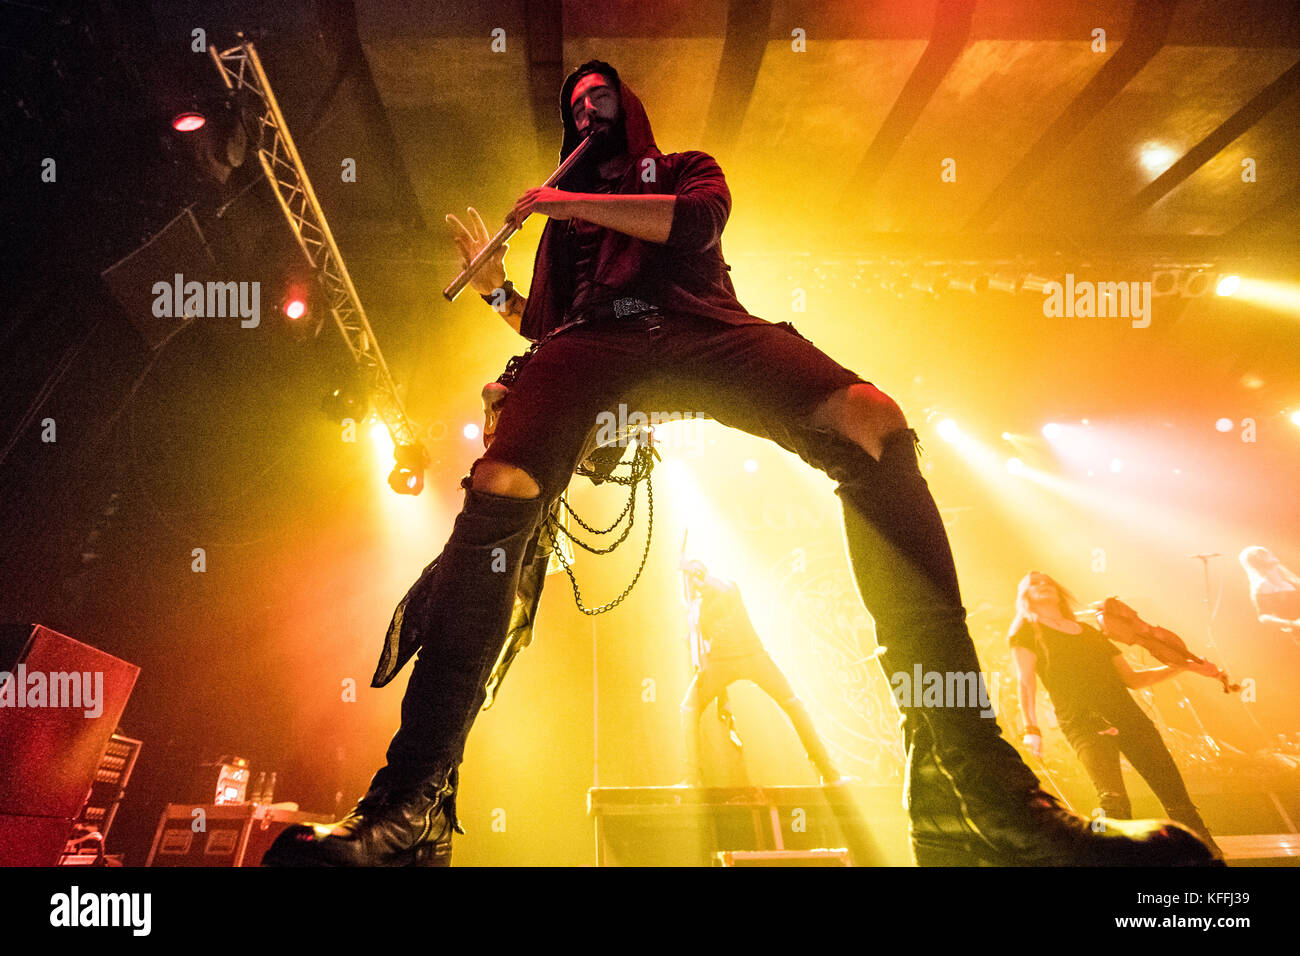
(1089, 681)
(725, 649)
(630, 292)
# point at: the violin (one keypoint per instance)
(1121, 622)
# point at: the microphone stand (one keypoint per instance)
(1209, 629)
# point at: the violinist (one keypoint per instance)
(1274, 588)
(1089, 681)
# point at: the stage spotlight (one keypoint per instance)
(1005, 282)
(1197, 285)
(1015, 466)
(1156, 157)
(470, 431)
(1223, 425)
(188, 122)
(931, 282)
(407, 476)
(1164, 282)
(216, 131)
(977, 285)
(1006, 436)
(301, 301)
(948, 430)
(1116, 466)
(751, 465)
(1053, 431)
(347, 401)
(1295, 417)
(1228, 285)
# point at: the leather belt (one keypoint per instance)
(618, 309)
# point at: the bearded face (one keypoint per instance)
(597, 111)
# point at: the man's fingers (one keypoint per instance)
(459, 232)
(478, 223)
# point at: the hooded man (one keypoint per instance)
(631, 297)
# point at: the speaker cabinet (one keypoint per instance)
(60, 701)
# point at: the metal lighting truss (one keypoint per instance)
(241, 69)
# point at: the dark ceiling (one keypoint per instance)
(1047, 132)
(1058, 146)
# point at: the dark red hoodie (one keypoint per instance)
(685, 274)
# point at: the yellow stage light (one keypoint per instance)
(1157, 157)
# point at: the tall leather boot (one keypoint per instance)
(940, 833)
(393, 825)
(903, 565)
(457, 615)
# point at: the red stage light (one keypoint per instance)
(188, 122)
(295, 308)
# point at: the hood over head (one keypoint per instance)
(636, 125)
(687, 275)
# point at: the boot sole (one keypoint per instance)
(948, 854)
(956, 854)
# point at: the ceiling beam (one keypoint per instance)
(1146, 36)
(544, 39)
(1274, 227)
(338, 22)
(947, 39)
(743, 47)
(1239, 122)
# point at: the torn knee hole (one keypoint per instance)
(501, 478)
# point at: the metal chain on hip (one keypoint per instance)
(640, 467)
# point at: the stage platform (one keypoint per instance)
(855, 825)
(1269, 849)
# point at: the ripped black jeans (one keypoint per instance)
(763, 379)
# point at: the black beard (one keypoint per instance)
(610, 141)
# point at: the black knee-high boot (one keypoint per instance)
(940, 833)
(457, 615)
(903, 565)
